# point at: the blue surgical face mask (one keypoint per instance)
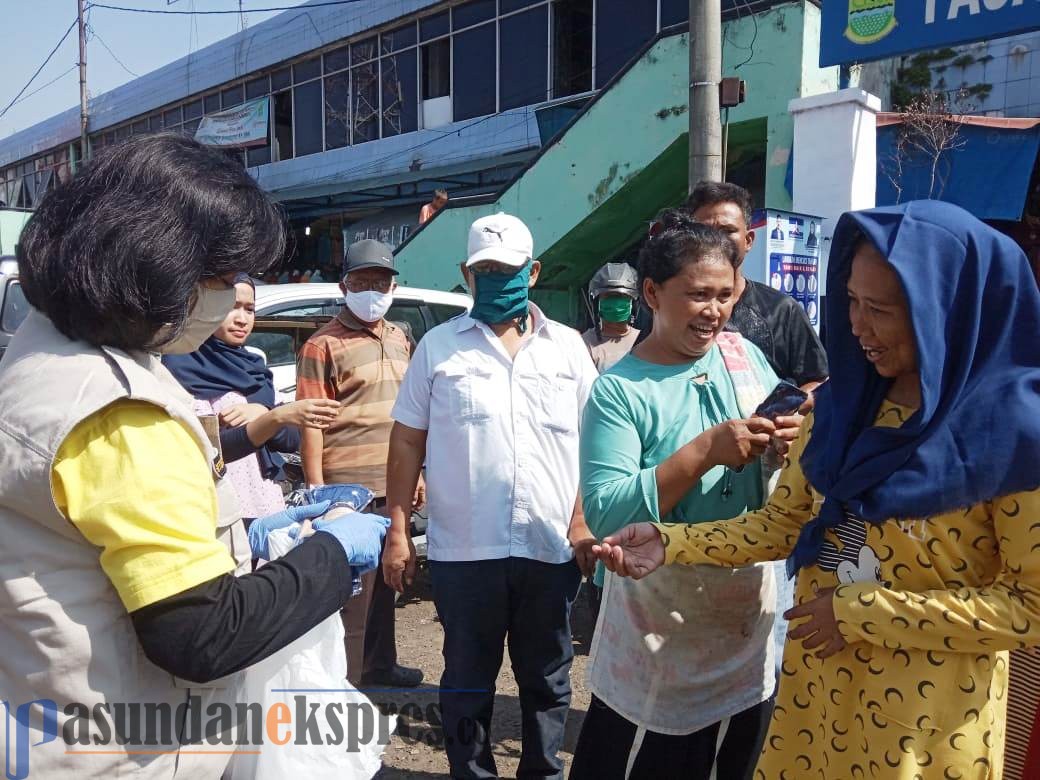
(501, 297)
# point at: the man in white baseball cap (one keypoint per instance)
(492, 403)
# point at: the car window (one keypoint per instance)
(442, 312)
(279, 346)
(16, 308)
(408, 314)
(299, 309)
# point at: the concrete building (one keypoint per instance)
(373, 105)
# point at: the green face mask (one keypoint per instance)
(501, 297)
(615, 309)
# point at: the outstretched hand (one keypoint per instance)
(635, 551)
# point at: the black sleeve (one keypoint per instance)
(229, 623)
(806, 359)
(235, 444)
(286, 440)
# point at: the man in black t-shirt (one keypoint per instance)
(772, 321)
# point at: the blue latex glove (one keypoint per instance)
(361, 536)
(261, 528)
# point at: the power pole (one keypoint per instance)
(705, 75)
(84, 152)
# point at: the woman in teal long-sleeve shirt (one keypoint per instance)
(680, 668)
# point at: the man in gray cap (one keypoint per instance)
(360, 359)
(614, 291)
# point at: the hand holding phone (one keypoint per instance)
(785, 399)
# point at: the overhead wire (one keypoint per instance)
(167, 12)
(39, 69)
(44, 86)
(94, 34)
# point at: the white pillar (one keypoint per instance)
(835, 158)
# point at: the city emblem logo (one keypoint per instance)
(870, 20)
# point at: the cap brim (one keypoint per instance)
(622, 290)
(362, 266)
(498, 254)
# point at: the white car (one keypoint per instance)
(288, 314)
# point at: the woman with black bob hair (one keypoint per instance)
(670, 434)
(121, 535)
(115, 257)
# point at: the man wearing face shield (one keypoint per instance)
(359, 359)
(121, 537)
(492, 403)
(614, 291)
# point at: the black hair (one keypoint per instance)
(116, 253)
(711, 193)
(440, 193)
(678, 240)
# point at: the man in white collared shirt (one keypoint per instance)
(492, 403)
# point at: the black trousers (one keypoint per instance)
(368, 620)
(484, 604)
(606, 741)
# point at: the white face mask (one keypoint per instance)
(208, 313)
(370, 306)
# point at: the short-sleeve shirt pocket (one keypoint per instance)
(470, 392)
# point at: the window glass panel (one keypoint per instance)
(191, 127)
(622, 27)
(278, 347)
(16, 308)
(674, 12)
(309, 119)
(337, 110)
(171, 117)
(307, 70)
(232, 96)
(474, 92)
(400, 38)
(283, 117)
(280, 79)
(193, 110)
(365, 102)
(236, 155)
(337, 59)
(524, 61)
(256, 88)
(363, 51)
(400, 93)
(436, 69)
(472, 13)
(155, 122)
(442, 312)
(260, 155)
(211, 104)
(505, 6)
(434, 26)
(140, 127)
(409, 317)
(301, 309)
(572, 47)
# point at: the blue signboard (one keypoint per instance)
(863, 30)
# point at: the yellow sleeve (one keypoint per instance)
(1004, 615)
(132, 480)
(768, 534)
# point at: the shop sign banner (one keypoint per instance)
(244, 125)
(863, 30)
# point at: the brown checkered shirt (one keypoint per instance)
(351, 364)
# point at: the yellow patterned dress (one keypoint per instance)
(930, 608)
